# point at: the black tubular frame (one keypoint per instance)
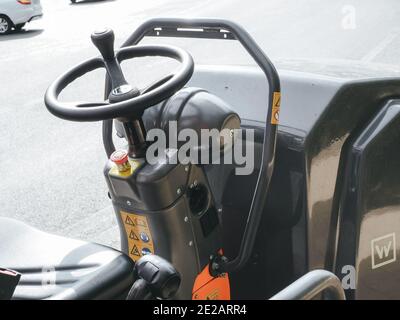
(311, 285)
(221, 29)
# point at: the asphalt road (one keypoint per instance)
(51, 170)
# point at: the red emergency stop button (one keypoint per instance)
(121, 159)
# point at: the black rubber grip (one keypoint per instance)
(104, 41)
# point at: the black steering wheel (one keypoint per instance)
(124, 100)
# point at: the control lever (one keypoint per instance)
(156, 278)
(121, 90)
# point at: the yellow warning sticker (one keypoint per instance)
(276, 106)
(135, 164)
(140, 241)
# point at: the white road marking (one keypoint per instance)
(371, 55)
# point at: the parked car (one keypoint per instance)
(14, 14)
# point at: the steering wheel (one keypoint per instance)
(124, 101)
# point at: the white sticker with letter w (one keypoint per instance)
(383, 250)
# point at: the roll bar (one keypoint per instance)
(224, 30)
(312, 284)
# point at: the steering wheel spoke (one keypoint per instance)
(156, 84)
(82, 104)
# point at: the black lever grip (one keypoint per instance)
(162, 279)
(104, 41)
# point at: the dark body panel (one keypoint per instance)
(369, 208)
(320, 118)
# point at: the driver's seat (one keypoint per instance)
(55, 267)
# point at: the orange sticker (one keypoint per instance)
(140, 241)
(206, 287)
(216, 289)
(276, 106)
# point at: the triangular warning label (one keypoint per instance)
(277, 102)
(129, 221)
(133, 236)
(140, 222)
(135, 251)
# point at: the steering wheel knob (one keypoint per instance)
(104, 39)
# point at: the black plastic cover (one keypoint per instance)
(54, 267)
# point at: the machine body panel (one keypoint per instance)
(175, 231)
(369, 216)
(301, 226)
